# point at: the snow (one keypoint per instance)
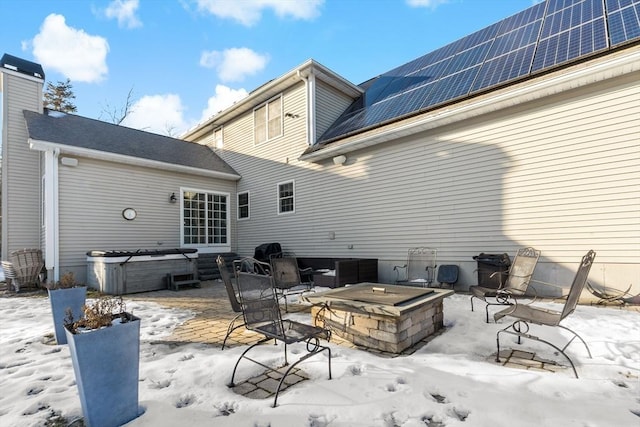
(451, 381)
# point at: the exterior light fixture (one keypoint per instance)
(173, 198)
(339, 160)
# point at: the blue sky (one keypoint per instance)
(185, 60)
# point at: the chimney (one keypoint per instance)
(21, 86)
(22, 66)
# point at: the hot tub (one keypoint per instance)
(126, 272)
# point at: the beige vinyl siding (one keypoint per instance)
(93, 194)
(21, 170)
(264, 165)
(330, 104)
(561, 174)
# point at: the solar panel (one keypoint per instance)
(624, 20)
(571, 29)
(512, 50)
(546, 35)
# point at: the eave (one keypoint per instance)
(583, 74)
(39, 145)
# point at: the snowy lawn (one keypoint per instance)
(452, 381)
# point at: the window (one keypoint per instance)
(205, 218)
(217, 142)
(243, 205)
(267, 121)
(286, 197)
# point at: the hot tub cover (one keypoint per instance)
(141, 252)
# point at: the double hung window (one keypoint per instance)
(267, 121)
(243, 205)
(286, 197)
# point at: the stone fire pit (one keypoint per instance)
(389, 318)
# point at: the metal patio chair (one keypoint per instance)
(516, 284)
(420, 268)
(261, 313)
(233, 299)
(530, 314)
(608, 295)
(287, 278)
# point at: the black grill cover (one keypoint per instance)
(265, 250)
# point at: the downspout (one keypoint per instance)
(310, 89)
(52, 235)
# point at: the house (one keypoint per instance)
(525, 133)
(68, 180)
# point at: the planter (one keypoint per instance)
(61, 299)
(106, 366)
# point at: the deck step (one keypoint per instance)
(176, 280)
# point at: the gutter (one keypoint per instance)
(525, 92)
(39, 145)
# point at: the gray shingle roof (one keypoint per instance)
(81, 132)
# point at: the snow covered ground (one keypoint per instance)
(452, 381)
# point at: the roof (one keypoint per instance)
(75, 132)
(544, 37)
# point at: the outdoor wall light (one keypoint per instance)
(69, 161)
(173, 198)
(339, 160)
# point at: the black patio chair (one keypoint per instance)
(233, 299)
(261, 313)
(447, 275)
(287, 278)
(530, 314)
(515, 285)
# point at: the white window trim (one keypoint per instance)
(248, 193)
(207, 247)
(266, 103)
(215, 144)
(291, 181)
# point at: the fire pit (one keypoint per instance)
(389, 318)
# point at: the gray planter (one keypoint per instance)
(106, 366)
(61, 299)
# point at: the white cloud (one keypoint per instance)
(249, 12)
(162, 114)
(224, 97)
(125, 12)
(74, 53)
(426, 3)
(233, 65)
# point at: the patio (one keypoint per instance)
(213, 314)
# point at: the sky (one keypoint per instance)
(451, 381)
(179, 62)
